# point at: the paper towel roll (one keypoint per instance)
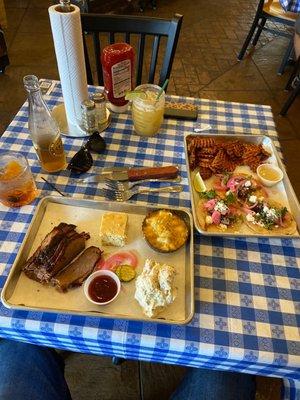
(68, 43)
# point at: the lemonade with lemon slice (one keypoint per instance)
(147, 109)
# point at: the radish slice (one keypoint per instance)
(121, 258)
(232, 183)
(210, 204)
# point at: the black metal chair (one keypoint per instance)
(4, 61)
(129, 26)
(270, 10)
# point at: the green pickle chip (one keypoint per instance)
(125, 273)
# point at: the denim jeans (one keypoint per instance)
(29, 372)
(203, 384)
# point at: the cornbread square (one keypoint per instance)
(113, 229)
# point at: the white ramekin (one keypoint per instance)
(101, 273)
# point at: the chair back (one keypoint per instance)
(127, 26)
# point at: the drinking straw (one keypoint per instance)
(53, 187)
(162, 89)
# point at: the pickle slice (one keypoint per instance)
(125, 273)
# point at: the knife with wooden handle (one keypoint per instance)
(136, 174)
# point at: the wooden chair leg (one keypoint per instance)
(286, 57)
(290, 100)
(254, 25)
(259, 31)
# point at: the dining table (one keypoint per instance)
(247, 290)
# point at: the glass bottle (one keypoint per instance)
(44, 131)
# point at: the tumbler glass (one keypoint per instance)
(17, 186)
(148, 110)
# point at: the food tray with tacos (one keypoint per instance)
(69, 241)
(239, 187)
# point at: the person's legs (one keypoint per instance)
(31, 372)
(202, 384)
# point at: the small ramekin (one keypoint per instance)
(101, 273)
(267, 182)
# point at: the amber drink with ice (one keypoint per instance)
(148, 110)
(17, 186)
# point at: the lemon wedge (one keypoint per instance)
(135, 94)
(198, 183)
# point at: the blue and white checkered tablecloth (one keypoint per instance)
(290, 5)
(247, 291)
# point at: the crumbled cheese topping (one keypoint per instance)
(221, 207)
(250, 218)
(252, 199)
(247, 184)
(223, 226)
(270, 213)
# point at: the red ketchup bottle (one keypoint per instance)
(117, 65)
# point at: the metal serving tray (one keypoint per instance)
(283, 192)
(20, 292)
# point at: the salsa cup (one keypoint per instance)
(95, 275)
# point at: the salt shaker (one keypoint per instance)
(88, 119)
(100, 109)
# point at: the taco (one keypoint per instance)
(216, 214)
(269, 217)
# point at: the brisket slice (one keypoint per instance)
(76, 272)
(56, 251)
(51, 240)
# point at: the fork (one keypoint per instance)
(127, 194)
(126, 185)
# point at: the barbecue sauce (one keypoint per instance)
(102, 289)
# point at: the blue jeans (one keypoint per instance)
(29, 372)
(203, 384)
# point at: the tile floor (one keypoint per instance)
(205, 66)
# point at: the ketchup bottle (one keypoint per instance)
(117, 65)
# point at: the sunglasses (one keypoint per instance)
(83, 160)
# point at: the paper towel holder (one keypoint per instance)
(64, 6)
(65, 127)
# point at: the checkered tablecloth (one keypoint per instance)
(247, 291)
(290, 5)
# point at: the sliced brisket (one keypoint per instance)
(76, 272)
(56, 251)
